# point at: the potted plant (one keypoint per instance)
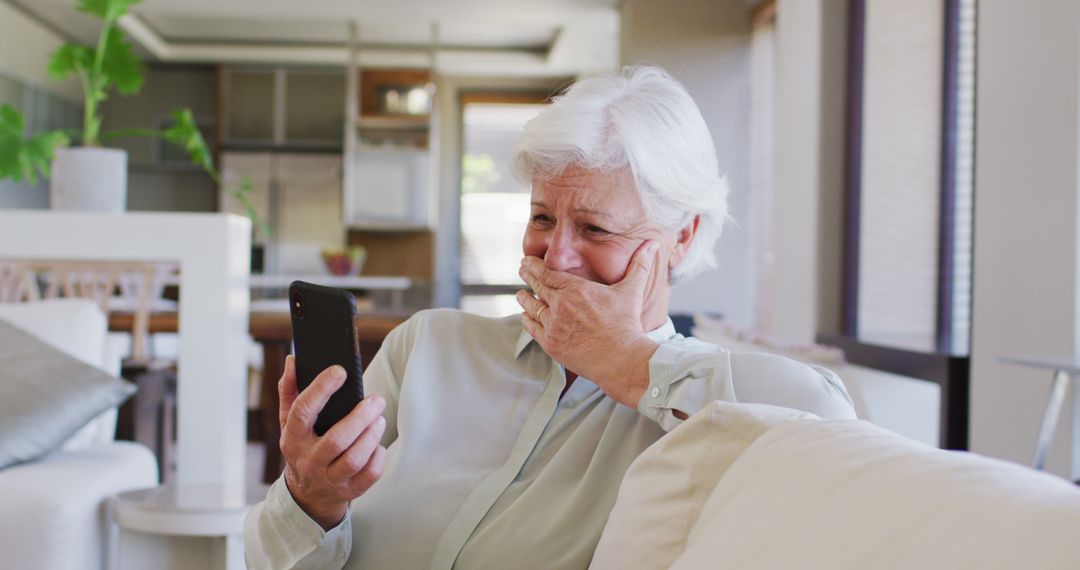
(91, 176)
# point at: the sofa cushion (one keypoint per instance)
(848, 494)
(54, 509)
(79, 328)
(663, 492)
(46, 395)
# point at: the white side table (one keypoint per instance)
(180, 527)
(1065, 370)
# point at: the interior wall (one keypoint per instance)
(152, 184)
(808, 215)
(706, 45)
(26, 50)
(24, 195)
(832, 136)
(1026, 200)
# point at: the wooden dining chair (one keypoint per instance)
(116, 286)
(17, 283)
(112, 285)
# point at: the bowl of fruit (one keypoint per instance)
(344, 260)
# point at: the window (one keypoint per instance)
(910, 176)
(909, 196)
(494, 206)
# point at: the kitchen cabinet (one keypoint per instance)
(389, 151)
(249, 106)
(315, 106)
(282, 108)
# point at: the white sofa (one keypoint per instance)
(54, 509)
(754, 486)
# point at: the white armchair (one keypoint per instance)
(54, 513)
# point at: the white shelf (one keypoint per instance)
(388, 283)
(397, 122)
(384, 226)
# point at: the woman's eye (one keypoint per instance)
(596, 230)
(540, 219)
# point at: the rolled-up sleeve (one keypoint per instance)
(686, 375)
(684, 380)
(279, 534)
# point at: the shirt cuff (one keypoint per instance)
(684, 380)
(286, 537)
(304, 523)
(655, 402)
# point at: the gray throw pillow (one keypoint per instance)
(47, 395)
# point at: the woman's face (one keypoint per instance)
(590, 224)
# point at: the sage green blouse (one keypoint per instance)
(488, 468)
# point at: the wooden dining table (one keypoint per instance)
(273, 330)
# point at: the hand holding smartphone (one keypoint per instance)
(324, 334)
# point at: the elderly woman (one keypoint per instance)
(501, 443)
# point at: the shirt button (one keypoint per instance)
(655, 392)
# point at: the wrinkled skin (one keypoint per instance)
(324, 473)
(600, 271)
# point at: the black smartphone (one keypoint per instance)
(324, 334)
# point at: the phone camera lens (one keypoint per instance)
(298, 304)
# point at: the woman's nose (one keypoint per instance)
(561, 254)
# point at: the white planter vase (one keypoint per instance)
(89, 179)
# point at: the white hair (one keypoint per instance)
(644, 119)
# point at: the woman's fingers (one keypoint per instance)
(534, 328)
(531, 305)
(370, 474)
(641, 266)
(325, 473)
(286, 390)
(306, 407)
(543, 280)
(340, 437)
(534, 272)
(356, 457)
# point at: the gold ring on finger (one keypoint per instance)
(540, 310)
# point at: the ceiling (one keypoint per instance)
(473, 36)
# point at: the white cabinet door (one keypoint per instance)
(389, 189)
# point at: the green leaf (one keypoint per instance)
(11, 134)
(11, 120)
(22, 158)
(108, 10)
(243, 195)
(120, 66)
(185, 134)
(69, 59)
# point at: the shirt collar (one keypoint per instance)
(660, 334)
